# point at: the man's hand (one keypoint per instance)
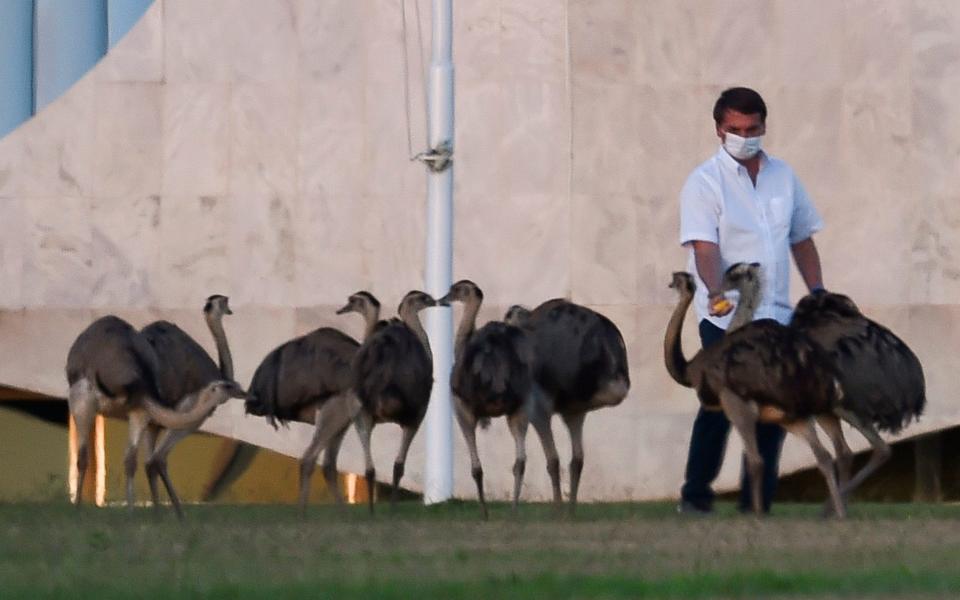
(718, 305)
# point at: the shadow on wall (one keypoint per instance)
(924, 469)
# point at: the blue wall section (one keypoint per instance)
(16, 63)
(70, 37)
(122, 15)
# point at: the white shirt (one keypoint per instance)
(720, 204)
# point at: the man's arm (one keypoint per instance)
(808, 262)
(709, 267)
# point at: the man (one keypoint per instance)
(741, 205)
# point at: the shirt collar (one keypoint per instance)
(731, 163)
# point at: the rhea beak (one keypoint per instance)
(237, 392)
(445, 301)
(344, 310)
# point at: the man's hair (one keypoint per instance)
(741, 99)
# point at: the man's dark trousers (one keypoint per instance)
(708, 443)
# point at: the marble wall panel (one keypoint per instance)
(196, 150)
(125, 234)
(262, 245)
(610, 444)
(935, 253)
(479, 144)
(935, 46)
(476, 40)
(333, 255)
(877, 238)
(395, 233)
(12, 249)
(933, 333)
(331, 140)
(661, 455)
(197, 41)
(202, 46)
(518, 247)
(668, 47)
(330, 40)
(55, 329)
(534, 153)
(808, 40)
(669, 122)
(604, 40)
(264, 120)
(876, 42)
(139, 55)
(605, 131)
(129, 126)
(387, 167)
(736, 46)
(876, 148)
(605, 252)
(192, 261)
(804, 129)
(661, 254)
(58, 262)
(53, 156)
(533, 35)
(935, 136)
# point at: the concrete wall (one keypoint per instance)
(257, 148)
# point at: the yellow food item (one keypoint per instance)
(721, 304)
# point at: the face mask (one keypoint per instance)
(740, 147)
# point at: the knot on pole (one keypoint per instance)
(437, 159)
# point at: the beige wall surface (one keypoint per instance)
(258, 148)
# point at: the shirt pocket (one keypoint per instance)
(780, 215)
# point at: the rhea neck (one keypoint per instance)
(215, 323)
(750, 294)
(371, 316)
(674, 359)
(411, 318)
(468, 324)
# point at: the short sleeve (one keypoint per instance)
(699, 211)
(806, 220)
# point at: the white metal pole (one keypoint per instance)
(438, 484)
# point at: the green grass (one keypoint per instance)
(607, 551)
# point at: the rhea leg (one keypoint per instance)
(468, 426)
(744, 419)
(364, 423)
(575, 426)
(806, 430)
(330, 465)
(518, 429)
(844, 455)
(149, 445)
(138, 421)
(540, 411)
(398, 465)
(881, 450)
(83, 408)
(332, 420)
(157, 465)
